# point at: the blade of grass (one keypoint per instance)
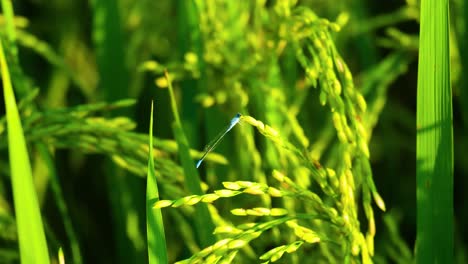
(190, 40)
(203, 222)
(124, 194)
(32, 241)
(157, 250)
(434, 137)
(26, 90)
(108, 39)
(196, 12)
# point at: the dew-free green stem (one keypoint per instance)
(20, 83)
(11, 50)
(113, 81)
(190, 40)
(62, 207)
(203, 221)
(157, 249)
(32, 241)
(434, 137)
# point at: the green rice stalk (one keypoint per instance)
(32, 241)
(203, 221)
(402, 14)
(157, 249)
(191, 49)
(62, 207)
(110, 50)
(27, 102)
(113, 74)
(434, 137)
(11, 50)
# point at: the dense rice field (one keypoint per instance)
(190, 131)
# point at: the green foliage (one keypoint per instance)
(157, 250)
(326, 94)
(32, 242)
(203, 222)
(434, 138)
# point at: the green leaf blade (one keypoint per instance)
(203, 220)
(32, 241)
(157, 249)
(434, 137)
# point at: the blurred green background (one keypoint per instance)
(224, 57)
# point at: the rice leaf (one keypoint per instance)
(32, 241)
(157, 250)
(434, 137)
(203, 221)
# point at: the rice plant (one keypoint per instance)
(329, 156)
